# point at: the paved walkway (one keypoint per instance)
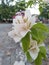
(5, 44)
(5, 40)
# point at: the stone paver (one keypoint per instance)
(5, 44)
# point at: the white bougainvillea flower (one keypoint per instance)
(17, 20)
(21, 26)
(31, 19)
(19, 63)
(27, 16)
(13, 34)
(34, 49)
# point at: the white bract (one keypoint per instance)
(21, 25)
(34, 49)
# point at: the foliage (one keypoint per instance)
(30, 2)
(44, 11)
(38, 61)
(28, 56)
(43, 7)
(38, 32)
(26, 42)
(7, 2)
(20, 6)
(7, 11)
(41, 55)
(43, 49)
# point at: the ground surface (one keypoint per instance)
(5, 43)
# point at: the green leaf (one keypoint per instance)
(41, 26)
(38, 32)
(28, 57)
(26, 42)
(40, 9)
(37, 35)
(43, 51)
(34, 34)
(29, 3)
(41, 55)
(38, 61)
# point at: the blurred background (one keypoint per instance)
(8, 9)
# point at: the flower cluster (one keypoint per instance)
(21, 25)
(25, 31)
